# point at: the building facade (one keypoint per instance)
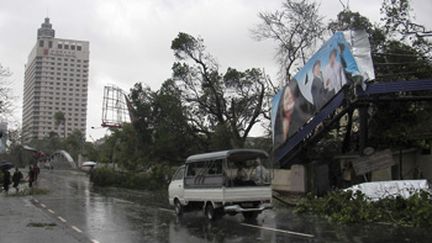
(55, 86)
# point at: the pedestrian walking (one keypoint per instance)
(31, 176)
(16, 178)
(36, 172)
(6, 180)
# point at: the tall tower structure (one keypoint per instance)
(55, 86)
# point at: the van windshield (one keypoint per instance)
(252, 172)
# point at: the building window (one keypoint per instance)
(79, 48)
(41, 43)
(59, 46)
(72, 47)
(66, 46)
(50, 44)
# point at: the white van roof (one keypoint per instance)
(233, 154)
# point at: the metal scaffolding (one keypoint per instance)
(114, 108)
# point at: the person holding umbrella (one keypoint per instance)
(5, 166)
(6, 180)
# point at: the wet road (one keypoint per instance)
(118, 215)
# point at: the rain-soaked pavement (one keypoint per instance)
(119, 215)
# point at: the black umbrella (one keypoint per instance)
(6, 165)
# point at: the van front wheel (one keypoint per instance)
(178, 208)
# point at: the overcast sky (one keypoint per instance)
(130, 40)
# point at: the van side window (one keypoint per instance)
(198, 168)
(190, 170)
(179, 174)
(214, 167)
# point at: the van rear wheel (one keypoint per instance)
(211, 213)
(250, 215)
(178, 208)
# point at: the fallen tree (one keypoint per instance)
(354, 207)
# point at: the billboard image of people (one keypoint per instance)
(322, 77)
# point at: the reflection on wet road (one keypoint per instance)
(119, 215)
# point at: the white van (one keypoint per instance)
(225, 182)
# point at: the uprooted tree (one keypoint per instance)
(222, 107)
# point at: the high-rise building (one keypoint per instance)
(55, 86)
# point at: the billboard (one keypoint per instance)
(343, 58)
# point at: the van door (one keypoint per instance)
(176, 186)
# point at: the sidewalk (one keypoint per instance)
(21, 221)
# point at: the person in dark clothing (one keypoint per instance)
(6, 180)
(36, 172)
(319, 93)
(16, 178)
(31, 176)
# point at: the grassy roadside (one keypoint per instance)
(27, 191)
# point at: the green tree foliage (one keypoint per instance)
(74, 143)
(221, 107)
(163, 131)
(174, 138)
(154, 180)
(49, 144)
(125, 150)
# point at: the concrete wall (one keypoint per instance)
(424, 163)
(293, 180)
(414, 166)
